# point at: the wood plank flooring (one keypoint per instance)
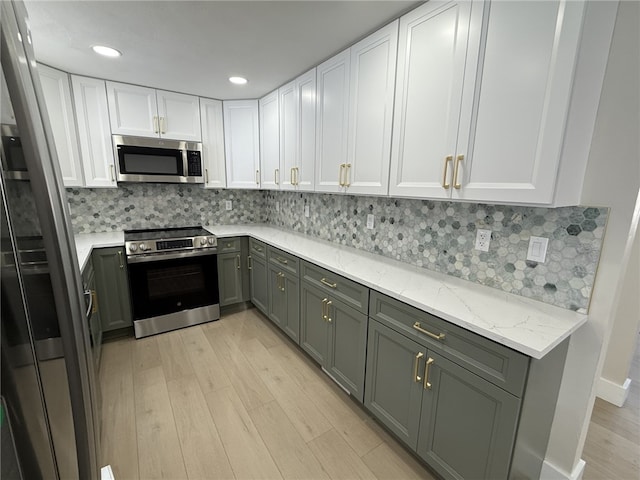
(235, 399)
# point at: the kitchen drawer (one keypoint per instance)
(350, 292)
(257, 249)
(229, 245)
(496, 363)
(284, 261)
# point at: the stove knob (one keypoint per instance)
(211, 240)
(143, 247)
(133, 247)
(203, 241)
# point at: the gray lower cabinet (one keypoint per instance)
(233, 273)
(284, 301)
(95, 325)
(258, 275)
(112, 287)
(335, 335)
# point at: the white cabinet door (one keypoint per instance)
(269, 142)
(213, 143)
(512, 150)
(373, 73)
(179, 116)
(241, 143)
(306, 113)
(432, 52)
(288, 134)
(92, 114)
(133, 110)
(57, 96)
(332, 121)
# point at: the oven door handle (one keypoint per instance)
(158, 257)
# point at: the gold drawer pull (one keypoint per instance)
(324, 309)
(427, 365)
(447, 159)
(238, 262)
(456, 183)
(324, 281)
(416, 363)
(328, 317)
(256, 247)
(249, 263)
(282, 260)
(440, 336)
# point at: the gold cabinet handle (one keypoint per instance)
(427, 365)
(238, 262)
(456, 184)
(297, 176)
(416, 363)
(281, 281)
(120, 258)
(340, 174)
(447, 159)
(324, 308)
(94, 303)
(292, 173)
(163, 126)
(276, 174)
(347, 175)
(249, 263)
(328, 317)
(257, 177)
(439, 336)
(112, 172)
(282, 260)
(324, 281)
(206, 175)
(155, 124)
(257, 248)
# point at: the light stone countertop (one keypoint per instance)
(528, 326)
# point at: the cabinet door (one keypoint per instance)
(468, 425)
(432, 51)
(332, 121)
(230, 278)
(372, 85)
(277, 298)
(269, 142)
(288, 134)
(313, 327)
(241, 143)
(347, 347)
(394, 381)
(513, 145)
(57, 96)
(94, 133)
(179, 116)
(306, 113)
(112, 287)
(258, 280)
(291, 287)
(212, 143)
(133, 110)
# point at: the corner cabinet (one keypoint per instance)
(241, 143)
(212, 143)
(112, 286)
(94, 132)
(284, 292)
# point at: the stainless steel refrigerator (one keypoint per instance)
(49, 417)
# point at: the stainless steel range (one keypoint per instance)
(173, 278)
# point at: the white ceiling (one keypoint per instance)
(194, 46)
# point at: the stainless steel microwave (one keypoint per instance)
(141, 159)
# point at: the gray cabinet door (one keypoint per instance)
(291, 326)
(347, 347)
(258, 280)
(313, 327)
(467, 425)
(112, 288)
(277, 297)
(230, 278)
(393, 393)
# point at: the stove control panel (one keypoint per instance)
(174, 244)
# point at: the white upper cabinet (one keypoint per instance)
(306, 131)
(147, 112)
(288, 135)
(269, 142)
(432, 53)
(241, 143)
(373, 72)
(57, 97)
(213, 143)
(332, 122)
(92, 115)
(523, 90)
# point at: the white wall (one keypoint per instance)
(612, 180)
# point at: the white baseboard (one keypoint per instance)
(550, 472)
(612, 392)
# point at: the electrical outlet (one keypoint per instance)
(370, 218)
(306, 211)
(483, 239)
(277, 206)
(228, 205)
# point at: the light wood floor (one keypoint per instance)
(612, 447)
(235, 399)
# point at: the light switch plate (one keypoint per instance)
(306, 211)
(483, 239)
(537, 251)
(370, 220)
(228, 205)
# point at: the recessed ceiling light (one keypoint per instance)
(106, 51)
(238, 80)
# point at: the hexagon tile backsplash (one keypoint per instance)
(439, 236)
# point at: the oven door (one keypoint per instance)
(173, 283)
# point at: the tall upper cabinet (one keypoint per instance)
(241, 143)
(212, 143)
(269, 141)
(94, 133)
(57, 95)
(147, 112)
